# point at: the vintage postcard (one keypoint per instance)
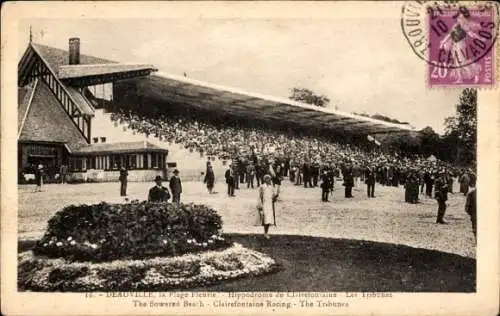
(234, 158)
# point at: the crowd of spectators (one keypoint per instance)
(300, 157)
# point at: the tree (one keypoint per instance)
(387, 119)
(309, 97)
(462, 128)
(429, 142)
(381, 117)
(405, 143)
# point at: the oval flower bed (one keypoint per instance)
(135, 246)
(160, 273)
(103, 232)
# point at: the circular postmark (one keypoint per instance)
(450, 34)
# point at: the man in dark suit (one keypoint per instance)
(236, 173)
(63, 172)
(315, 173)
(176, 187)
(158, 193)
(429, 181)
(123, 181)
(229, 175)
(259, 173)
(250, 174)
(331, 173)
(241, 170)
(441, 194)
(449, 177)
(470, 205)
(306, 174)
(325, 186)
(370, 181)
(348, 182)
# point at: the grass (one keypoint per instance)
(324, 264)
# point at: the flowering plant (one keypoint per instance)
(160, 273)
(103, 232)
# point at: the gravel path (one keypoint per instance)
(300, 212)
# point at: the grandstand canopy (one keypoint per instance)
(234, 101)
(189, 92)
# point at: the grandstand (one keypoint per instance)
(67, 100)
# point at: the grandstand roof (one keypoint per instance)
(234, 101)
(79, 71)
(209, 96)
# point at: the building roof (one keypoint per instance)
(46, 120)
(119, 148)
(56, 57)
(199, 94)
(91, 70)
(78, 71)
(24, 95)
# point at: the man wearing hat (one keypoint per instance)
(370, 181)
(470, 205)
(176, 187)
(441, 194)
(123, 181)
(229, 175)
(348, 182)
(250, 174)
(158, 193)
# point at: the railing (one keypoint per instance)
(81, 121)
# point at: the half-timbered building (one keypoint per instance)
(57, 97)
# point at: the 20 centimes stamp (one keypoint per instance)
(456, 39)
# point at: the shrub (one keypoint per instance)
(103, 232)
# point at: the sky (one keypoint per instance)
(363, 65)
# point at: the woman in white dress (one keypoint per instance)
(265, 205)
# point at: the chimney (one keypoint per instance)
(74, 51)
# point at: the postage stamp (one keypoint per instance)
(457, 40)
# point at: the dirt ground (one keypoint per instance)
(386, 218)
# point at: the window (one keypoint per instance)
(76, 164)
(131, 162)
(114, 162)
(92, 163)
(156, 160)
(139, 161)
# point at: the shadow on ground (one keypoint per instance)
(325, 264)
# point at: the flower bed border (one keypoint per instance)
(156, 274)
